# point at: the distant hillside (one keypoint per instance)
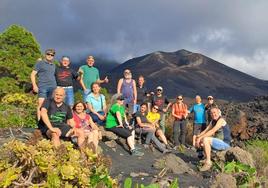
(187, 73)
(102, 64)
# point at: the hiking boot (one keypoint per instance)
(136, 153)
(207, 166)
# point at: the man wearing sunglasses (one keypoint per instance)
(45, 71)
(161, 101)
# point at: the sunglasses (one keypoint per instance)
(50, 55)
(155, 108)
(210, 99)
(179, 99)
(159, 90)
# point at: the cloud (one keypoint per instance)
(256, 65)
(122, 29)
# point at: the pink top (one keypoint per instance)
(82, 123)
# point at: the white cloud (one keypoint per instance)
(256, 65)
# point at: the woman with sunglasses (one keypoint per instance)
(209, 106)
(84, 121)
(153, 117)
(179, 112)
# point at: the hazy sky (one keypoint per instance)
(232, 32)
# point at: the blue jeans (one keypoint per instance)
(85, 94)
(45, 92)
(219, 144)
(96, 119)
(136, 108)
(69, 98)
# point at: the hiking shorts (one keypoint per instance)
(63, 128)
(45, 92)
(219, 144)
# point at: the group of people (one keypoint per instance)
(134, 111)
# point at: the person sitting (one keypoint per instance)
(117, 123)
(217, 136)
(96, 104)
(154, 117)
(143, 127)
(84, 121)
(57, 120)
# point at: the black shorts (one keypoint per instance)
(65, 128)
(121, 132)
(198, 128)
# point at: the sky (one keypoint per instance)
(234, 33)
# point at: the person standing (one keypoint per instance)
(199, 120)
(161, 101)
(208, 107)
(65, 77)
(142, 93)
(127, 87)
(89, 75)
(179, 112)
(45, 71)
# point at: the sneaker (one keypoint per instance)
(137, 147)
(206, 167)
(146, 146)
(136, 153)
(168, 147)
(166, 151)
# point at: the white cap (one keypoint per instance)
(159, 88)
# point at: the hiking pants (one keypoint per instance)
(179, 132)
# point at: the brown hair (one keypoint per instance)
(84, 105)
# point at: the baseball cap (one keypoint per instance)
(159, 88)
(50, 50)
(210, 97)
(120, 97)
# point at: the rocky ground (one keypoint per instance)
(247, 120)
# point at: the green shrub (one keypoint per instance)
(259, 151)
(42, 165)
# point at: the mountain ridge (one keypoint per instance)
(189, 73)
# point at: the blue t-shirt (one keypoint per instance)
(46, 74)
(199, 113)
(96, 103)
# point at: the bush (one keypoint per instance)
(259, 151)
(12, 116)
(18, 110)
(42, 165)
